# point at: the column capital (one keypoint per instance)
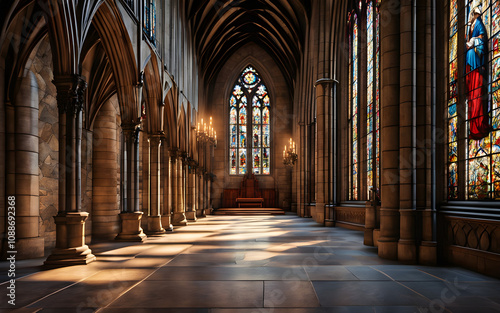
(154, 139)
(131, 130)
(173, 153)
(70, 92)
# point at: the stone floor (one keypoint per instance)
(237, 264)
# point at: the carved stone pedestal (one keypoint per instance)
(155, 226)
(70, 241)
(166, 221)
(179, 219)
(131, 227)
(191, 216)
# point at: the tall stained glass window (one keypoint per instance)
(249, 125)
(364, 117)
(478, 101)
(373, 99)
(353, 105)
(150, 20)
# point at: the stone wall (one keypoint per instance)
(48, 131)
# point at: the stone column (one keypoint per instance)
(131, 216)
(105, 221)
(200, 193)
(407, 250)
(154, 220)
(23, 182)
(191, 195)
(179, 218)
(390, 71)
(324, 100)
(70, 221)
(301, 193)
(166, 217)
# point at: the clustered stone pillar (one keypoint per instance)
(131, 216)
(166, 218)
(154, 220)
(70, 221)
(407, 250)
(201, 193)
(191, 194)
(179, 218)
(390, 76)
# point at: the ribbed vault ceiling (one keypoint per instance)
(220, 27)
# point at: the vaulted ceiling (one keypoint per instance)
(220, 27)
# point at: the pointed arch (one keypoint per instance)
(153, 95)
(170, 121)
(118, 47)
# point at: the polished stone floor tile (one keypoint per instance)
(193, 294)
(367, 273)
(121, 274)
(175, 273)
(85, 295)
(409, 275)
(29, 291)
(329, 273)
(366, 293)
(289, 294)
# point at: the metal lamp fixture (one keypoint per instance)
(290, 155)
(206, 133)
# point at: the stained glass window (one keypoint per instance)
(150, 20)
(249, 125)
(364, 117)
(452, 104)
(479, 100)
(353, 106)
(373, 103)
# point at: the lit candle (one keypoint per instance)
(198, 129)
(210, 121)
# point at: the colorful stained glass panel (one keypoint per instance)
(256, 115)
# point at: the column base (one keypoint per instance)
(376, 236)
(71, 256)
(131, 227)
(428, 253)
(407, 251)
(166, 221)
(388, 249)
(368, 237)
(154, 226)
(70, 241)
(318, 213)
(191, 216)
(179, 219)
